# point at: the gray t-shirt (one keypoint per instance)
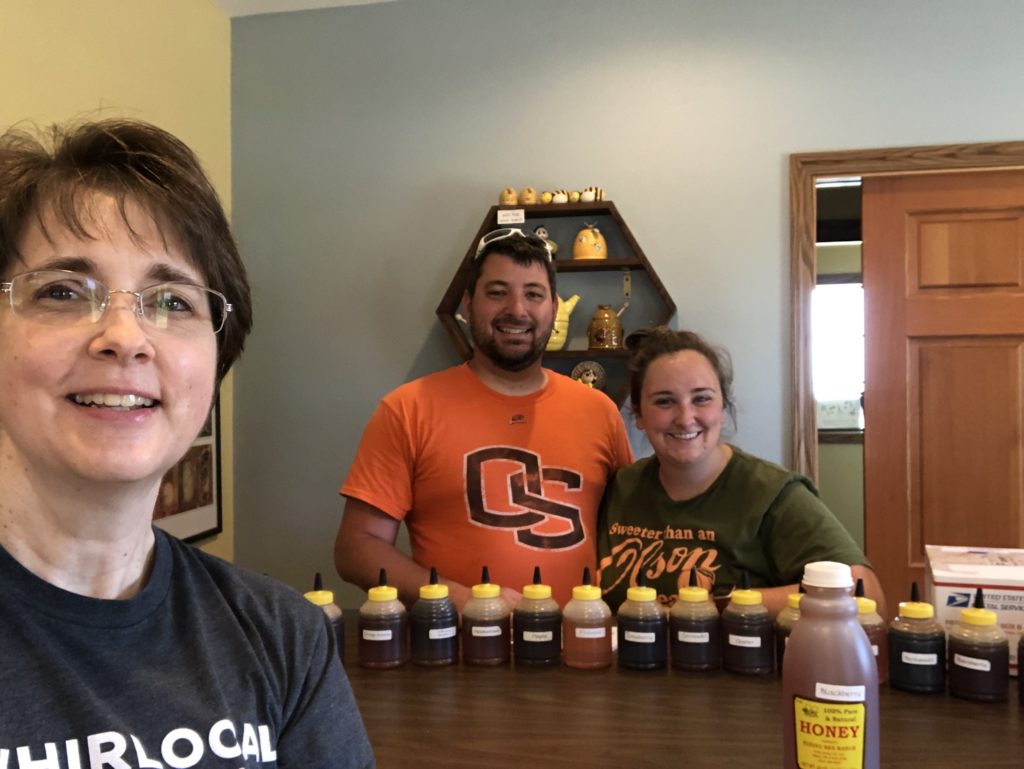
(209, 665)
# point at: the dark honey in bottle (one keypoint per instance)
(830, 678)
(537, 626)
(485, 625)
(434, 625)
(383, 628)
(325, 600)
(979, 655)
(875, 629)
(917, 648)
(587, 628)
(784, 621)
(747, 633)
(694, 629)
(643, 628)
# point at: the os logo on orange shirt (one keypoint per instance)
(505, 490)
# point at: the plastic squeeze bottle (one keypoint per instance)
(537, 625)
(325, 600)
(747, 634)
(694, 629)
(917, 648)
(485, 625)
(587, 628)
(642, 630)
(784, 621)
(979, 655)
(434, 625)
(383, 628)
(874, 627)
(830, 681)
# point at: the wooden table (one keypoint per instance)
(462, 716)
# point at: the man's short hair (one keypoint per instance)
(522, 249)
(58, 168)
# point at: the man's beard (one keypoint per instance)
(486, 344)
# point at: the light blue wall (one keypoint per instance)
(369, 142)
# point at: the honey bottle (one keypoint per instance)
(694, 629)
(325, 600)
(784, 622)
(875, 628)
(485, 625)
(917, 648)
(383, 627)
(747, 633)
(979, 655)
(642, 629)
(434, 625)
(830, 680)
(587, 628)
(537, 625)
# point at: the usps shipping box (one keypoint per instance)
(954, 575)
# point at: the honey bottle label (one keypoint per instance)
(829, 735)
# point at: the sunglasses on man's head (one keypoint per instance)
(511, 232)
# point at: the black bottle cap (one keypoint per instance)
(859, 590)
(744, 580)
(641, 580)
(382, 579)
(693, 578)
(433, 575)
(586, 576)
(979, 600)
(485, 576)
(915, 594)
(536, 575)
(318, 582)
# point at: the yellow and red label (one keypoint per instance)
(829, 735)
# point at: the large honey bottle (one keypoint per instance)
(830, 678)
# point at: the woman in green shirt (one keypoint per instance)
(700, 503)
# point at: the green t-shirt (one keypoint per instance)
(756, 517)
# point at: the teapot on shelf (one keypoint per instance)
(560, 331)
(605, 331)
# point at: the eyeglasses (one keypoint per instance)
(67, 298)
(511, 232)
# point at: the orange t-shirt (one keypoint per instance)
(481, 478)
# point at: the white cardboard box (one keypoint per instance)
(954, 574)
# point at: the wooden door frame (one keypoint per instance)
(805, 169)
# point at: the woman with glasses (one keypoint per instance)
(700, 503)
(123, 303)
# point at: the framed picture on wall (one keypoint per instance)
(188, 505)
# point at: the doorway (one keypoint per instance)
(805, 171)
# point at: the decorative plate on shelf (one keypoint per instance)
(591, 373)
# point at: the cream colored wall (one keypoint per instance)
(164, 61)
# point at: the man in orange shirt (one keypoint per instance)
(497, 462)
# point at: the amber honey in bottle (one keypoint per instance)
(830, 679)
(1020, 669)
(875, 629)
(537, 625)
(747, 633)
(325, 600)
(485, 625)
(784, 621)
(917, 648)
(642, 629)
(694, 629)
(587, 628)
(434, 625)
(979, 655)
(383, 628)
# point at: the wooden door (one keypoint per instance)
(944, 392)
